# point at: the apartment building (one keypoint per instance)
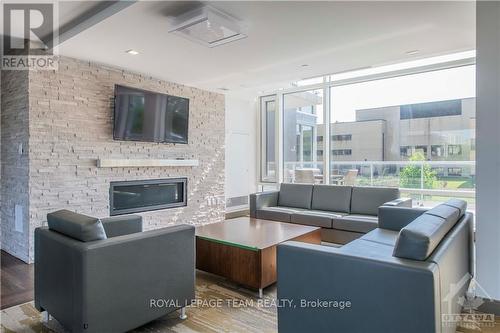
(436, 131)
(441, 130)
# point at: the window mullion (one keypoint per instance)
(326, 136)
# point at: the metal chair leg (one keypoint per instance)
(45, 316)
(183, 313)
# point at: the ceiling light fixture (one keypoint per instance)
(207, 26)
(304, 65)
(132, 52)
(412, 52)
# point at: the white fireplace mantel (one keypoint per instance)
(137, 163)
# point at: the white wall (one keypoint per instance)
(241, 146)
(488, 147)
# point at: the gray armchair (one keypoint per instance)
(112, 282)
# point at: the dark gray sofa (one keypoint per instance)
(344, 213)
(401, 277)
(103, 275)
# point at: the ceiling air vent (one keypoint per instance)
(207, 26)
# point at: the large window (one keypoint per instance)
(303, 127)
(414, 130)
(405, 128)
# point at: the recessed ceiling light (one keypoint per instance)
(412, 52)
(132, 52)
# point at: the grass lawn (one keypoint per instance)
(442, 183)
(454, 183)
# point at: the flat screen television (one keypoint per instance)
(141, 115)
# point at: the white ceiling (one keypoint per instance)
(282, 36)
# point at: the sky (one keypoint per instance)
(440, 85)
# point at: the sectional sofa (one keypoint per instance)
(407, 275)
(344, 213)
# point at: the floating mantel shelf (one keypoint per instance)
(134, 163)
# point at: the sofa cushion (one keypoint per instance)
(356, 222)
(419, 238)
(122, 225)
(78, 226)
(382, 236)
(277, 213)
(370, 250)
(446, 212)
(461, 205)
(366, 200)
(395, 218)
(295, 195)
(315, 218)
(332, 198)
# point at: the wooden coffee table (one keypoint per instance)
(243, 249)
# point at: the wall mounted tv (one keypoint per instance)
(141, 115)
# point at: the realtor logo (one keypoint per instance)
(469, 317)
(28, 36)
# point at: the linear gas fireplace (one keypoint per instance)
(144, 195)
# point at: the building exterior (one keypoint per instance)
(435, 131)
(441, 131)
(356, 141)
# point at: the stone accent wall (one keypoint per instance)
(70, 127)
(15, 167)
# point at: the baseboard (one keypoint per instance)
(237, 201)
(237, 213)
(25, 259)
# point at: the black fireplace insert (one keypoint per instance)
(144, 195)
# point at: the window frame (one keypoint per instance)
(263, 138)
(326, 86)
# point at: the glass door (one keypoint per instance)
(268, 168)
(303, 130)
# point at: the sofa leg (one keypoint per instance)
(45, 316)
(183, 313)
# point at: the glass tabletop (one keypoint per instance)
(251, 234)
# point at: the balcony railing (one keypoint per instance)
(427, 182)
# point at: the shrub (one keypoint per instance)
(410, 175)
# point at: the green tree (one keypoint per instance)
(410, 175)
